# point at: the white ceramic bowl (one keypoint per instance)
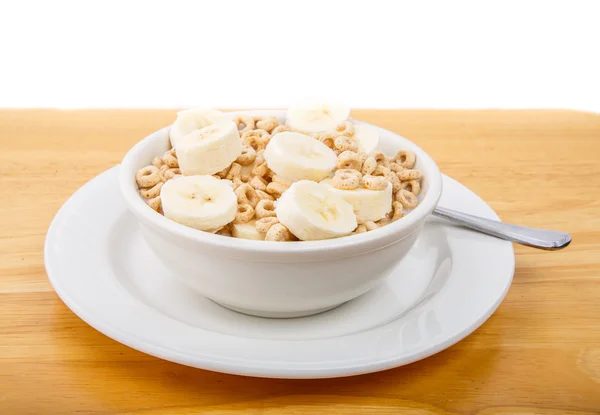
(277, 279)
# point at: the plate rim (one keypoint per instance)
(237, 366)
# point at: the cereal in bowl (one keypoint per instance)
(316, 176)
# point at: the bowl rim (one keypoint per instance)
(395, 231)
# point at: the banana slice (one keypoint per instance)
(296, 156)
(370, 204)
(210, 149)
(246, 231)
(201, 202)
(315, 117)
(193, 119)
(367, 137)
(312, 212)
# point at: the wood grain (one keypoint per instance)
(539, 354)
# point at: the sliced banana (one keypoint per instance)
(311, 211)
(296, 156)
(247, 231)
(201, 202)
(193, 119)
(367, 138)
(210, 149)
(315, 116)
(372, 205)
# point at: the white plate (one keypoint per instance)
(101, 268)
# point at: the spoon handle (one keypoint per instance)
(537, 238)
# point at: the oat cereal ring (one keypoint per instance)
(266, 123)
(265, 208)
(394, 180)
(257, 139)
(374, 182)
(406, 159)
(328, 141)
(246, 176)
(261, 169)
(380, 158)
(223, 173)
(344, 143)
(381, 170)
(370, 225)
(234, 171)
(170, 158)
(406, 175)
(357, 173)
(258, 183)
(162, 170)
(412, 186)
(246, 195)
(397, 211)
(363, 156)
(245, 120)
(244, 213)
(237, 182)
(171, 173)
(345, 180)
(395, 167)
(259, 156)
(383, 221)
(263, 225)
(276, 189)
(147, 177)
(349, 160)
(278, 233)
(325, 135)
(224, 231)
(262, 195)
(359, 229)
(369, 165)
(247, 157)
(154, 203)
(408, 199)
(345, 128)
(279, 129)
(157, 162)
(152, 192)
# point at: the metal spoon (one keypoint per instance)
(536, 238)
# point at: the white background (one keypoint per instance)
(381, 54)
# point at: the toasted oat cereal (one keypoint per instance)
(412, 186)
(265, 208)
(346, 180)
(406, 175)
(245, 213)
(244, 122)
(147, 177)
(349, 160)
(263, 225)
(266, 123)
(406, 159)
(344, 143)
(406, 198)
(246, 195)
(170, 159)
(257, 188)
(247, 157)
(278, 232)
(374, 182)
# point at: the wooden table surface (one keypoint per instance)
(538, 354)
